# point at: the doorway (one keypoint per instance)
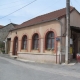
(8, 45)
(15, 46)
(75, 46)
(75, 35)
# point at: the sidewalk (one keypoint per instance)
(23, 60)
(69, 72)
(73, 65)
(6, 56)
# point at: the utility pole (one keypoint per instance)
(67, 31)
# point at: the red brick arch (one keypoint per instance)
(24, 34)
(22, 38)
(37, 32)
(55, 35)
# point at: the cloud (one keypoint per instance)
(37, 8)
(30, 10)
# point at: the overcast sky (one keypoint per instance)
(37, 8)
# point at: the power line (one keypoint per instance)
(77, 2)
(48, 7)
(71, 3)
(45, 9)
(18, 9)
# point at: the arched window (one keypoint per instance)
(24, 42)
(35, 41)
(50, 40)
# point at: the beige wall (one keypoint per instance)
(42, 29)
(63, 21)
(75, 19)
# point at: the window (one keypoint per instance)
(24, 42)
(35, 41)
(50, 40)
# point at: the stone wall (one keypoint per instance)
(5, 30)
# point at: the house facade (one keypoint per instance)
(42, 39)
(4, 30)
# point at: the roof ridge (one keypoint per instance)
(45, 17)
(49, 13)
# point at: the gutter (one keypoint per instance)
(35, 24)
(60, 61)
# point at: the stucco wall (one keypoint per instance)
(63, 31)
(41, 29)
(44, 55)
(75, 19)
(4, 31)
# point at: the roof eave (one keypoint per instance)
(35, 24)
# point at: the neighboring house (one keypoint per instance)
(5, 30)
(1, 26)
(43, 38)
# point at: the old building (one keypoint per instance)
(1, 26)
(4, 30)
(43, 38)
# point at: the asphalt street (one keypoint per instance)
(16, 70)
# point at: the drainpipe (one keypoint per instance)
(60, 61)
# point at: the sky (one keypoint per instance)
(39, 7)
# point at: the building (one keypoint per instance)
(43, 38)
(1, 26)
(4, 30)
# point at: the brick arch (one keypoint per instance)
(55, 35)
(22, 39)
(37, 32)
(16, 37)
(25, 34)
(32, 39)
(48, 30)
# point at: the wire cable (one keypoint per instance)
(77, 2)
(39, 13)
(49, 6)
(18, 9)
(71, 3)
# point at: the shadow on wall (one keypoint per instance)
(2, 47)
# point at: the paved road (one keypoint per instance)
(16, 70)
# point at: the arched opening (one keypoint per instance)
(49, 41)
(24, 42)
(35, 42)
(15, 46)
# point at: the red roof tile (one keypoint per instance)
(1, 26)
(46, 17)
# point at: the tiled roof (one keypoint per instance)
(1, 26)
(15, 25)
(12, 24)
(46, 17)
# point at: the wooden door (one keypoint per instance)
(15, 49)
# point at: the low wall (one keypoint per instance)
(43, 58)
